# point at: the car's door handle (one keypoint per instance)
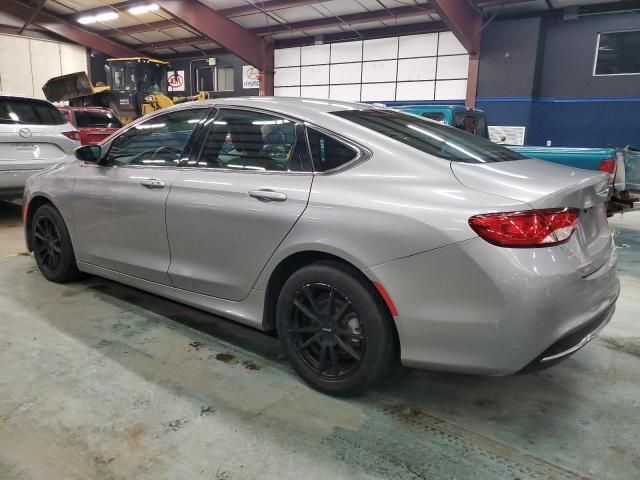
(152, 183)
(268, 195)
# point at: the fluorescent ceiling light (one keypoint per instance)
(101, 17)
(140, 9)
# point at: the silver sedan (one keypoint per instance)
(362, 234)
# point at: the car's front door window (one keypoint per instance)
(158, 141)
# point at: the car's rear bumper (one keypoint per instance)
(12, 182)
(570, 343)
(476, 308)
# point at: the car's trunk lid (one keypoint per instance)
(91, 135)
(546, 185)
(30, 147)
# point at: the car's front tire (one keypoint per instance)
(334, 329)
(51, 245)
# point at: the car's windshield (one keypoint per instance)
(152, 78)
(430, 137)
(29, 111)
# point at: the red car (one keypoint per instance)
(94, 123)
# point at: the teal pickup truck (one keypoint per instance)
(621, 164)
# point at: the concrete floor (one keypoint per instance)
(100, 381)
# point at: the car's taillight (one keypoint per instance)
(608, 165)
(73, 135)
(529, 228)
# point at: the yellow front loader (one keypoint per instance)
(135, 87)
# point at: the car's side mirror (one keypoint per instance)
(89, 153)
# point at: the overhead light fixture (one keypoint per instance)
(101, 17)
(140, 9)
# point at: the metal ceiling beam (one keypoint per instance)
(55, 24)
(144, 27)
(401, 12)
(499, 3)
(36, 11)
(260, 7)
(351, 19)
(249, 9)
(11, 30)
(239, 41)
(179, 42)
(463, 20)
(382, 32)
(107, 8)
(273, 5)
(218, 28)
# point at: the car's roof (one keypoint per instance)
(84, 109)
(307, 108)
(20, 96)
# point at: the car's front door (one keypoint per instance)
(229, 211)
(119, 204)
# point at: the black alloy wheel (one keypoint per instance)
(334, 328)
(51, 244)
(47, 244)
(325, 331)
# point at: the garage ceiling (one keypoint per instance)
(287, 22)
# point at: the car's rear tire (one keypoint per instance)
(52, 247)
(334, 329)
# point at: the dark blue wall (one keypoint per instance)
(569, 122)
(562, 101)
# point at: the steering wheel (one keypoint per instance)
(155, 152)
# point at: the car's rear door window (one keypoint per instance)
(241, 139)
(29, 111)
(438, 140)
(88, 118)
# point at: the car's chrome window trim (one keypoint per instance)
(362, 153)
(191, 168)
(220, 107)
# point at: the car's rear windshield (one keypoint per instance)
(430, 137)
(29, 111)
(88, 118)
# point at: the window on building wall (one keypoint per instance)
(618, 53)
(204, 79)
(224, 79)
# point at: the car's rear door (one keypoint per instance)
(119, 204)
(232, 206)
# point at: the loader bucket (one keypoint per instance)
(66, 87)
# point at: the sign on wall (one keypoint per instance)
(250, 77)
(507, 135)
(175, 81)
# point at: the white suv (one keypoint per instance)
(33, 136)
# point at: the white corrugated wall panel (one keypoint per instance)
(45, 63)
(15, 65)
(314, 75)
(73, 58)
(347, 93)
(418, 46)
(417, 69)
(315, 55)
(415, 91)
